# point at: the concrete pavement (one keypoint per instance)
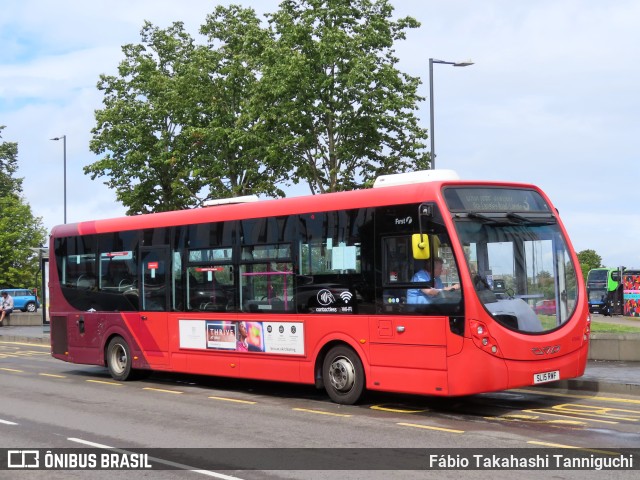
(621, 377)
(25, 333)
(608, 376)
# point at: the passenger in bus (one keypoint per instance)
(428, 295)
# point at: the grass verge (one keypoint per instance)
(598, 327)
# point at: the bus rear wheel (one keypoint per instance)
(343, 375)
(119, 359)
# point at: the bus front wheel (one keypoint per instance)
(119, 359)
(343, 375)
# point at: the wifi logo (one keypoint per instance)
(346, 296)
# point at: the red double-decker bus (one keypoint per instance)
(424, 284)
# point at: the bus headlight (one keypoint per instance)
(482, 338)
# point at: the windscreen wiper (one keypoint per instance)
(480, 216)
(523, 219)
(517, 216)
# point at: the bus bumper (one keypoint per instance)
(475, 371)
(541, 372)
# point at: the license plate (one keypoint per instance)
(546, 377)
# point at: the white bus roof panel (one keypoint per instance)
(420, 176)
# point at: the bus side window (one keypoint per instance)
(404, 278)
(266, 279)
(397, 271)
(210, 288)
(267, 287)
(80, 271)
(210, 280)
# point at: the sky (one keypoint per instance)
(553, 99)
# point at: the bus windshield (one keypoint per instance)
(598, 275)
(597, 280)
(520, 266)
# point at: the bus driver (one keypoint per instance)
(427, 295)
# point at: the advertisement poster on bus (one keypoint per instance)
(247, 336)
(287, 338)
(250, 337)
(192, 334)
(221, 335)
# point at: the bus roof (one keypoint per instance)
(371, 197)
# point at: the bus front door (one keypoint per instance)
(152, 331)
(409, 353)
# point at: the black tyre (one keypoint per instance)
(343, 375)
(31, 307)
(119, 359)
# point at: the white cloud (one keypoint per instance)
(552, 98)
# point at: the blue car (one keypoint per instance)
(23, 299)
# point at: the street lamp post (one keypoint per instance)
(431, 62)
(64, 149)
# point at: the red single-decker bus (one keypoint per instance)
(424, 284)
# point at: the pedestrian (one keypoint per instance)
(7, 306)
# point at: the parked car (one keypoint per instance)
(23, 299)
(545, 307)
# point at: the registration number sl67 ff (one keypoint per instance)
(546, 377)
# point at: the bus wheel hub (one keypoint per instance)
(342, 374)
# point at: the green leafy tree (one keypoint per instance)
(228, 130)
(589, 259)
(343, 112)
(21, 231)
(149, 162)
(176, 129)
(9, 185)
(315, 97)
(543, 283)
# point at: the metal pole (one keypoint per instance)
(64, 147)
(64, 158)
(433, 148)
(431, 134)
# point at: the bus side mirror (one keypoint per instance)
(420, 246)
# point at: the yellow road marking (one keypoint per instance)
(428, 427)
(559, 445)
(12, 370)
(51, 375)
(395, 410)
(566, 422)
(224, 399)
(549, 411)
(161, 390)
(592, 413)
(535, 419)
(41, 345)
(518, 417)
(21, 354)
(320, 412)
(106, 383)
(597, 411)
(588, 397)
